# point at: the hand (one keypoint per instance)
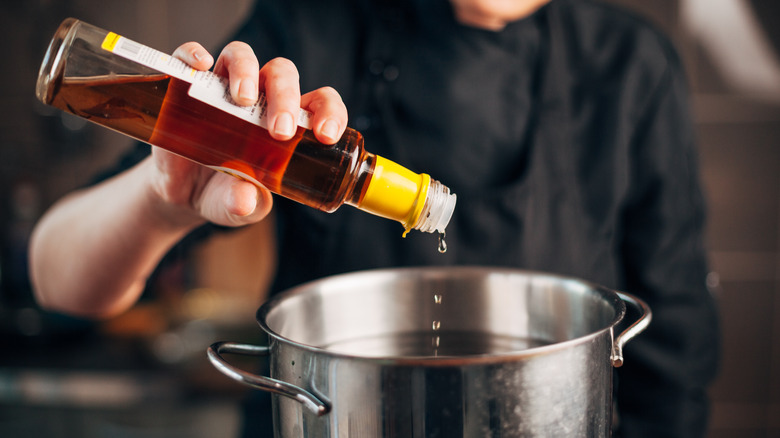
(198, 193)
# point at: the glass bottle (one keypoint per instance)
(155, 98)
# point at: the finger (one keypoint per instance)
(279, 79)
(229, 201)
(247, 201)
(195, 55)
(239, 64)
(329, 114)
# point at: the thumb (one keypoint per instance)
(229, 201)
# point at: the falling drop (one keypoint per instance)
(436, 325)
(442, 243)
(437, 299)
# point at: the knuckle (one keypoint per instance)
(188, 46)
(329, 92)
(238, 46)
(186, 49)
(328, 97)
(238, 52)
(245, 64)
(282, 67)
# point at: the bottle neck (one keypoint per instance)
(391, 191)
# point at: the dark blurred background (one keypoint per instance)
(145, 373)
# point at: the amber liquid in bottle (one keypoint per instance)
(146, 94)
(158, 110)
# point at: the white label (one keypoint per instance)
(214, 91)
(206, 86)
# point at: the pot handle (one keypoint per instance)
(311, 402)
(634, 329)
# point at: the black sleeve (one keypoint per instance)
(662, 389)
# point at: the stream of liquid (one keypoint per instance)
(437, 341)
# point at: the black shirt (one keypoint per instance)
(568, 140)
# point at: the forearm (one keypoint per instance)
(91, 254)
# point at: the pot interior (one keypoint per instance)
(439, 312)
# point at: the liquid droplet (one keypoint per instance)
(436, 325)
(437, 299)
(442, 243)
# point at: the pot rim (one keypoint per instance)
(609, 295)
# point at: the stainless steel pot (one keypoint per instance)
(441, 352)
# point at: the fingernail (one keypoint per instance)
(330, 129)
(247, 90)
(200, 55)
(284, 125)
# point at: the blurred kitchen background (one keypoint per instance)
(145, 372)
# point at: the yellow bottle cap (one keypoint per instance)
(414, 199)
(396, 192)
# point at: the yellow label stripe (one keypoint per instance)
(110, 41)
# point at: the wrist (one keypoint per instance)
(164, 210)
